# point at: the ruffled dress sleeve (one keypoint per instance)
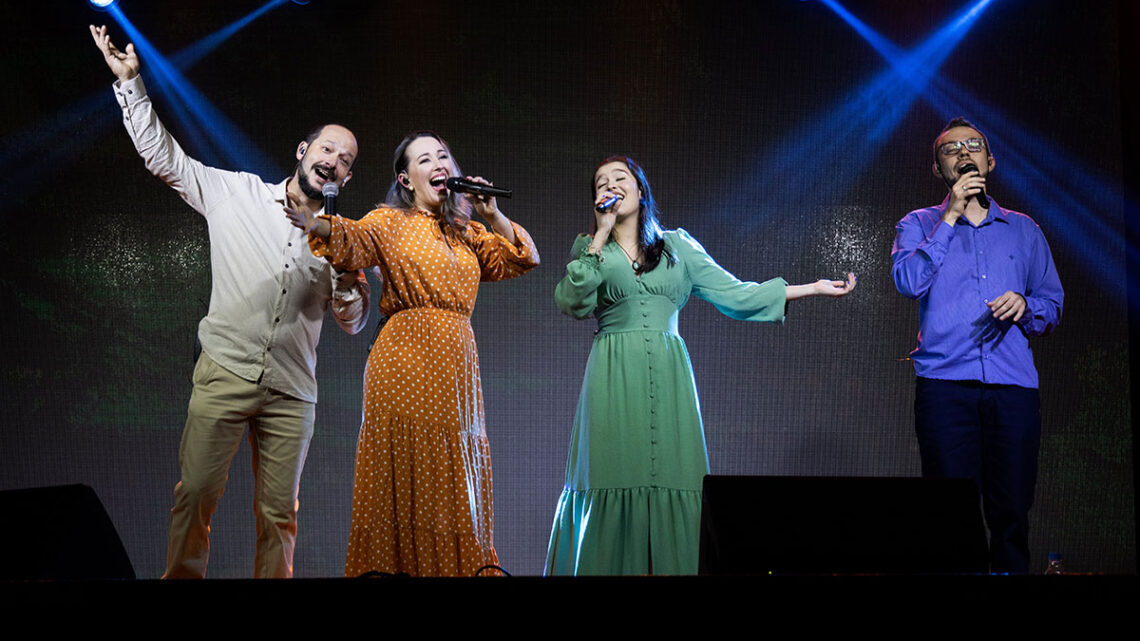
(734, 298)
(577, 292)
(500, 259)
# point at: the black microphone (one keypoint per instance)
(981, 195)
(464, 186)
(605, 206)
(330, 192)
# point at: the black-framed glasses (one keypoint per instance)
(971, 144)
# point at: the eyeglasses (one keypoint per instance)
(971, 145)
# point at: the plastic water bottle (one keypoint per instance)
(1056, 563)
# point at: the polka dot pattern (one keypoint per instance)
(422, 500)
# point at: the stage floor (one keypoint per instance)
(646, 602)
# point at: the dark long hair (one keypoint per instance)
(650, 232)
(456, 208)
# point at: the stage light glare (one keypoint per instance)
(102, 5)
(301, 2)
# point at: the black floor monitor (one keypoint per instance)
(828, 525)
(59, 532)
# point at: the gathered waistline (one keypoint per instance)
(434, 311)
(644, 330)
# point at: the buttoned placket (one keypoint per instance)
(290, 261)
(982, 270)
(652, 379)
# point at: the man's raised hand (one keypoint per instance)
(124, 64)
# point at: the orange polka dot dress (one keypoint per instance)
(421, 499)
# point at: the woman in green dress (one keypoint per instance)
(632, 499)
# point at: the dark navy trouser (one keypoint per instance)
(989, 433)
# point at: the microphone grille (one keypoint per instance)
(330, 189)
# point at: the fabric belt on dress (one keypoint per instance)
(641, 313)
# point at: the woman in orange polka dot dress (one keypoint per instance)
(421, 501)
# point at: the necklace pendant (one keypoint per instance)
(636, 265)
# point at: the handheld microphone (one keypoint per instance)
(330, 192)
(607, 204)
(464, 186)
(981, 195)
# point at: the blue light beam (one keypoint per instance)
(913, 70)
(868, 114)
(195, 52)
(64, 136)
(226, 145)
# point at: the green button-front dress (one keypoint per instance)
(632, 500)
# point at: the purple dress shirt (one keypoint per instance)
(954, 271)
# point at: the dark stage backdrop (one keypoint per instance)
(105, 269)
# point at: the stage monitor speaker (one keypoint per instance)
(841, 525)
(61, 532)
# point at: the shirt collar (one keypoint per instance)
(279, 195)
(279, 191)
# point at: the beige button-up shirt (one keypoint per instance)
(268, 293)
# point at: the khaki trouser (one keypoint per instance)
(222, 406)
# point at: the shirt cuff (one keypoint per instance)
(593, 260)
(130, 92)
(346, 286)
(325, 247)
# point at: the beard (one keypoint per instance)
(307, 187)
(945, 177)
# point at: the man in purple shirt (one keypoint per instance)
(985, 281)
